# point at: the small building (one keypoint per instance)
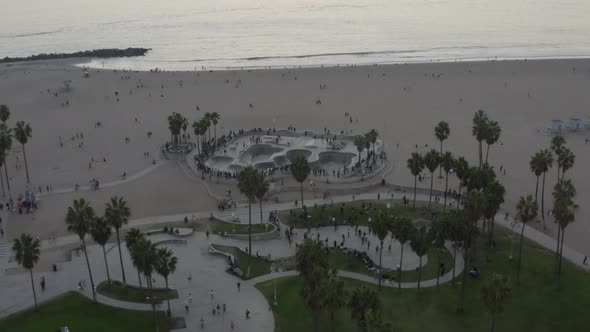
(575, 124)
(557, 126)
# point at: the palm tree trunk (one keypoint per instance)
(198, 147)
(454, 262)
(89, 270)
(459, 196)
(7, 180)
(557, 249)
(537, 192)
(33, 286)
(153, 300)
(440, 166)
(333, 319)
(491, 227)
(166, 280)
(249, 229)
(120, 256)
(487, 153)
(493, 324)
(2, 181)
(139, 278)
(431, 185)
(543, 202)
(261, 219)
(106, 264)
(215, 132)
(462, 298)
(380, 266)
(419, 272)
(401, 261)
(301, 183)
(415, 184)
(520, 255)
(560, 257)
(438, 267)
(374, 155)
(480, 155)
(446, 189)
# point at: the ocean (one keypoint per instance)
(192, 34)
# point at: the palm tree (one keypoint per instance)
(310, 254)
(215, 120)
(312, 260)
(402, 229)
(492, 136)
(184, 127)
(335, 297)
(4, 113)
(442, 131)
(165, 266)
(494, 197)
(447, 163)
(197, 131)
(380, 227)
(564, 212)
(526, 211)
(145, 258)
(175, 123)
(5, 146)
(536, 165)
(453, 224)
(2, 162)
(27, 255)
(472, 210)
(261, 191)
(493, 295)
(78, 220)
(431, 161)
(480, 131)
(248, 185)
(557, 144)
(359, 142)
(420, 243)
(565, 160)
(207, 121)
(461, 169)
(371, 137)
(363, 303)
(415, 164)
(546, 163)
(22, 133)
(367, 146)
(133, 236)
(300, 170)
(100, 231)
(439, 232)
(117, 214)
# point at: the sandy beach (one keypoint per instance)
(403, 102)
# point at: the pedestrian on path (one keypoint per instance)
(212, 296)
(42, 283)
(239, 286)
(585, 260)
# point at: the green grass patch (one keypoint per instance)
(357, 212)
(220, 226)
(258, 266)
(118, 291)
(79, 313)
(537, 304)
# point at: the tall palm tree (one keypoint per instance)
(359, 142)
(494, 197)
(565, 160)
(564, 212)
(557, 144)
(144, 256)
(472, 210)
(248, 185)
(453, 224)
(100, 231)
(197, 131)
(415, 164)
(493, 295)
(4, 113)
(117, 214)
(184, 127)
(310, 254)
(536, 165)
(300, 170)
(431, 161)
(363, 302)
(261, 191)
(78, 220)
(480, 131)
(2, 162)
(420, 243)
(461, 169)
(175, 123)
(5, 146)
(336, 296)
(22, 133)
(439, 232)
(441, 132)
(526, 211)
(371, 137)
(207, 121)
(311, 262)
(380, 227)
(27, 254)
(402, 229)
(215, 120)
(165, 265)
(447, 163)
(367, 146)
(133, 236)
(492, 136)
(546, 163)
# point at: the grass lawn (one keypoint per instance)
(117, 290)
(356, 211)
(258, 266)
(219, 226)
(81, 314)
(537, 304)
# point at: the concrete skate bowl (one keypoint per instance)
(258, 153)
(333, 160)
(292, 154)
(219, 162)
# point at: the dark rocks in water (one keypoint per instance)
(100, 53)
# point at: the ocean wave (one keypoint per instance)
(31, 34)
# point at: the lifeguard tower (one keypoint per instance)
(575, 124)
(556, 126)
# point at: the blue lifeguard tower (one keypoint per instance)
(68, 84)
(575, 124)
(556, 126)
